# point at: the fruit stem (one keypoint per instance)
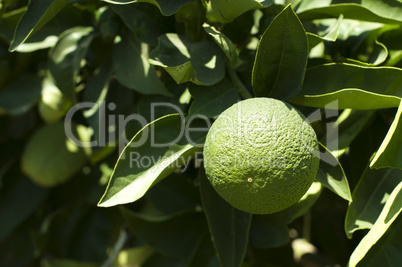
(238, 83)
(307, 226)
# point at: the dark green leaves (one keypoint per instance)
(50, 158)
(224, 11)
(281, 58)
(213, 100)
(167, 7)
(185, 60)
(229, 227)
(132, 69)
(20, 96)
(157, 150)
(38, 13)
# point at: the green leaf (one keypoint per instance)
(133, 256)
(390, 212)
(38, 13)
(331, 34)
(228, 226)
(225, 44)
(132, 69)
(384, 11)
(53, 105)
(350, 86)
(156, 151)
(305, 203)
(175, 236)
(331, 174)
(212, 100)
(202, 63)
(167, 7)
(50, 158)
(19, 97)
(224, 12)
(205, 254)
(65, 58)
(347, 126)
(147, 28)
(390, 152)
(387, 249)
(369, 197)
(269, 231)
(281, 58)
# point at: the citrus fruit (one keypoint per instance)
(261, 156)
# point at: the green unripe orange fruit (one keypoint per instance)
(261, 155)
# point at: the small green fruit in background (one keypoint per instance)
(261, 155)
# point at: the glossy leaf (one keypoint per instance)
(369, 197)
(361, 88)
(133, 256)
(225, 44)
(331, 34)
(390, 212)
(175, 236)
(223, 11)
(384, 11)
(157, 150)
(390, 152)
(386, 250)
(20, 96)
(212, 100)
(50, 158)
(228, 226)
(132, 69)
(38, 13)
(65, 58)
(332, 176)
(185, 60)
(281, 58)
(66, 263)
(167, 7)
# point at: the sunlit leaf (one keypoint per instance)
(38, 13)
(156, 151)
(185, 60)
(281, 58)
(223, 11)
(369, 197)
(350, 86)
(65, 58)
(384, 11)
(332, 176)
(389, 213)
(390, 152)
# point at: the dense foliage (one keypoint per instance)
(102, 73)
